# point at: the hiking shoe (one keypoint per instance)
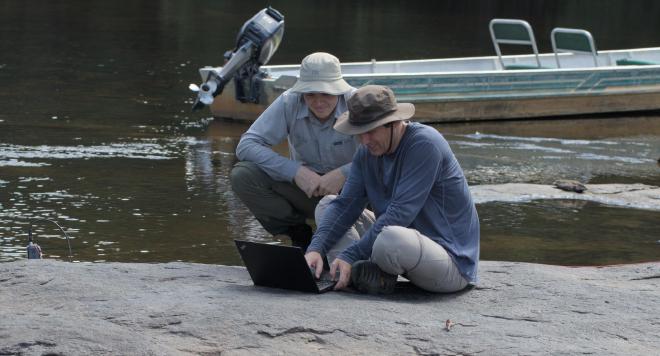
(301, 236)
(367, 277)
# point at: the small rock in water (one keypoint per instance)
(570, 185)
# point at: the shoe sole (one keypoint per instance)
(368, 278)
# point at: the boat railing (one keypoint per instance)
(513, 32)
(573, 40)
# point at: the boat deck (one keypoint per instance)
(606, 59)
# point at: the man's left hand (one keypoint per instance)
(344, 273)
(330, 183)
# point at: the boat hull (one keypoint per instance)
(481, 110)
(487, 94)
(528, 108)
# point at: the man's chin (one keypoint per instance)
(375, 153)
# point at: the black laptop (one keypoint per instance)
(280, 266)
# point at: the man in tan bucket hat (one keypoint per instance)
(424, 225)
(282, 192)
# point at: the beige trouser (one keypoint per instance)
(402, 251)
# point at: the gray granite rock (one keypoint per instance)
(53, 307)
(638, 196)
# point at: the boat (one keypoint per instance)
(575, 79)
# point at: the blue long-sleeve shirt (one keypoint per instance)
(419, 186)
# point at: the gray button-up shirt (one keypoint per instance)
(313, 144)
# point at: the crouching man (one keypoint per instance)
(282, 192)
(424, 225)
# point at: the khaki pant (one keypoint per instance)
(402, 251)
(276, 205)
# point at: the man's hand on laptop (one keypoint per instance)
(315, 261)
(344, 273)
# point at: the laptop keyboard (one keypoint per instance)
(325, 281)
(322, 284)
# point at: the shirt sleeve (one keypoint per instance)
(346, 169)
(342, 212)
(268, 130)
(419, 166)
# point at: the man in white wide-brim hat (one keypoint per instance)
(282, 192)
(424, 224)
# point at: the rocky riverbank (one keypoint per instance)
(59, 308)
(638, 196)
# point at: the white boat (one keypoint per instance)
(575, 79)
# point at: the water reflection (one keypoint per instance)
(621, 150)
(168, 198)
(568, 233)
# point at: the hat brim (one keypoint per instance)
(335, 87)
(404, 111)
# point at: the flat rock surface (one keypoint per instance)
(638, 196)
(54, 307)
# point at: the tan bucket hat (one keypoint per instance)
(320, 72)
(372, 106)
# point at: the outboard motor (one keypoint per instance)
(255, 45)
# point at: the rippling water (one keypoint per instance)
(96, 133)
(167, 197)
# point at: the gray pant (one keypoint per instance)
(403, 251)
(276, 205)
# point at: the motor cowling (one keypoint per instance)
(256, 43)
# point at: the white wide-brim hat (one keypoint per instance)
(320, 72)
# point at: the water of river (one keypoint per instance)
(96, 131)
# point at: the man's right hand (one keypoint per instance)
(331, 183)
(344, 273)
(314, 260)
(307, 180)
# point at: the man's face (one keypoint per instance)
(321, 105)
(376, 140)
